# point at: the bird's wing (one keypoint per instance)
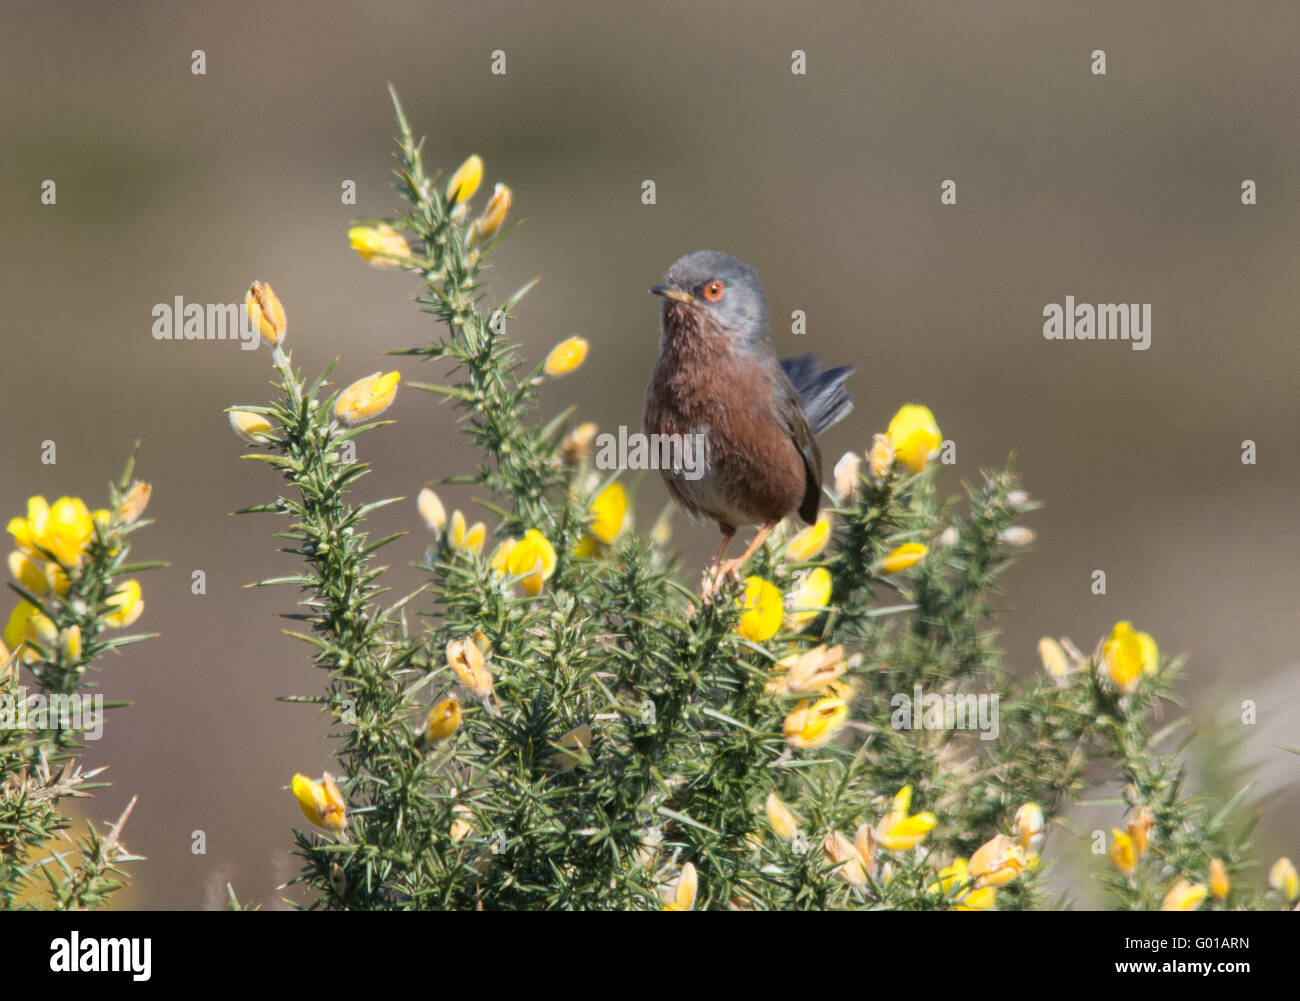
(801, 433)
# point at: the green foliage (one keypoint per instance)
(631, 729)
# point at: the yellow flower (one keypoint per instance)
(969, 897)
(811, 594)
(1283, 877)
(843, 854)
(1220, 884)
(469, 539)
(379, 245)
(762, 610)
(880, 459)
(266, 313)
(432, 513)
(486, 225)
(532, 558)
(367, 398)
(782, 819)
(1055, 660)
(867, 845)
(808, 726)
(683, 894)
(460, 826)
(321, 802)
(463, 183)
(443, 720)
(126, 604)
(997, 862)
(1128, 655)
(1122, 853)
(37, 579)
(62, 531)
(28, 629)
(898, 831)
(813, 670)
(1184, 896)
(467, 660)
(810, 541)
(566, 356)
(134, 502)
(915, 436)
(907, 555)
(250, 426)
(1029, 826)
(608, 512)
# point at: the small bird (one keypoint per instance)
(717, 375)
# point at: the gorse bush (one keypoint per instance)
(71, 574)
(555, 721)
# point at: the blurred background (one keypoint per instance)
(1117, 188)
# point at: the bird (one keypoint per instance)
(718, 375)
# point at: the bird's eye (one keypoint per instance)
(713, 291)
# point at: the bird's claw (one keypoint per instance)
(712, 579)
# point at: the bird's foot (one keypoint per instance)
(714, 578)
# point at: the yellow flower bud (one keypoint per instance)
(463, 183)
(814, 669)
(126, 605)
(266, 313)
(70, 643)
(1029, 827)
(486, 225)
(469, 539)
(1140, 828)
(915, 436)
(321, 802)
(566, 356)
(608, 512)
(812, 724)
(761, 610)
(443, 720)
(1282, 876)
(1055, 661)
(253, 428)
(1127, 655)
(1184, 896)
(811, 594)
(880, 459)
(997, 862)
(783, 821)
(843, 854)
(431, 511)
(1220, 884)
(809, 541)
(134, 502)
(467, 660)
(367, 398)
(379, 245)
(846, 477)
(902, 558)
(867, 845)
(682, 896)
(460, 825)
(573, 747)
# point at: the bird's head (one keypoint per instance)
(709, 287)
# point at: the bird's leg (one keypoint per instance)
(733, 566)
(711, 575)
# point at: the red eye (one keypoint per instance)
(713, 291)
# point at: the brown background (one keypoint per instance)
(1117, 188)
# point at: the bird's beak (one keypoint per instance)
(676, 294)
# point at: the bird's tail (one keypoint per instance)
(821, 393)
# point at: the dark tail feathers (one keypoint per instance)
(821, 393)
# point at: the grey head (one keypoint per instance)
(721, 288)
